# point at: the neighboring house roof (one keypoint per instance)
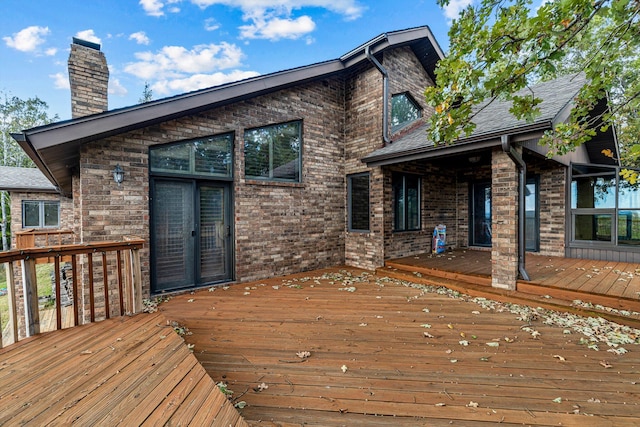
(55, 148)
(28, 180)
(494, 120)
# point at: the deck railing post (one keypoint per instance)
(11, 299)
(133, 273)
(30, 284)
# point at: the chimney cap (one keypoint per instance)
(86, 43)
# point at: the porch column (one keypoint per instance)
(504, 220)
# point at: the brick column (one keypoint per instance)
(504, 220)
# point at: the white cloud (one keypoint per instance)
(51, 51)
(277, 28)
(199, 81)
(140, 37)
(89, 36)
(453, 9)
(350, 9)
(116, 88)
(177, 61)
(29, 39)
(211, 24)
(60, 81)
(274, 19)
(155, 7)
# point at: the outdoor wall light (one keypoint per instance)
(118, 174)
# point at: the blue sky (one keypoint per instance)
(183, 45)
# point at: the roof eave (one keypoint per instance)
(475, 142)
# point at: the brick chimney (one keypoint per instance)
(89, 78)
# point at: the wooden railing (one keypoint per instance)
(32, 238)
(116, 291)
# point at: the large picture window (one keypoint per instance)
(209, 156)
(358, 206)
(406, 203)
(273, 152)
(40, 214)
(605, 207)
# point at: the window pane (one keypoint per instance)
(406, 191)
(51, 213)
(593, 227)
(213, 155)
(403, 110)
(628, 195)
(286, 151)
(629, 227)
(413, 203)
(31, 214)
(593, 192)
(273, 152)
(172, 158)
(399, 203)
(359, 202)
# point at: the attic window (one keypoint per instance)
(404, 109)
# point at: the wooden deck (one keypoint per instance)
(614, 285)
(385, 352)
(126, 371)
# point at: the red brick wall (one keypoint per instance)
(279, 228)
(504, 221)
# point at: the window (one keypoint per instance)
(210, 156)
(358, 206)
(40, 214)
(605, 207)
(273, 152)
(406, 204)
(403, 110)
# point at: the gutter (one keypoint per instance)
(522, 182)
(385, 93)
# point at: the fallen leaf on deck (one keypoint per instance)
(303, 354)
(344, 368)
(190, 300)
(464, 343)
(440, 404)
(493, 344)
(472, 404)
(605, 364)
(86, 352)
(428, 335)
(557, 400)
(562, 359)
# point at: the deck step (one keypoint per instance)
(474, 279)
(547, 297)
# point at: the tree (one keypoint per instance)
(147, 94)
(15, 115)
(500, 47)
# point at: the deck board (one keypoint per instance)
(249, 334)
(122, 371)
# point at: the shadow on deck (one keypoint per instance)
(603, 288)
(123, 371)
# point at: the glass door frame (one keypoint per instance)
(229, 261)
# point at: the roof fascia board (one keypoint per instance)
(115, 121)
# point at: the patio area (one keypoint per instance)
(345, 347)
(555, 281)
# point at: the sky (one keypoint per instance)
(177, 46)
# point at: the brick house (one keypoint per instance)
(317, 166)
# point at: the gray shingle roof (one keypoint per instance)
(24, 179)
(494, 119)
